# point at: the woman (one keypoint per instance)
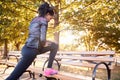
(35, 43)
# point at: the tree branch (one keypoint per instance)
(26, 7)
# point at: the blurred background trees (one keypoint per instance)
(78, 24)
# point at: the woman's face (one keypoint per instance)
(48, 17)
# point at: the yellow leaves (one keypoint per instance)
(0, 2)
(115, 11)
(107, 10)
(104, 11)
(93, 15)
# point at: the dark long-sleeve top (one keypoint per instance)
(37, 32)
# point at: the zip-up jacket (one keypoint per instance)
(37, 32)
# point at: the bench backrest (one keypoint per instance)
(84, 58)
(88, 52)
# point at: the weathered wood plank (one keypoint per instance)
(88, 58)
(86, 65)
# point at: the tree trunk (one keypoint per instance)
(17, 45)
(5, 49)
(56, 22)
(56, 37)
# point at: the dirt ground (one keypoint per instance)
(100, 74)
(25, 76)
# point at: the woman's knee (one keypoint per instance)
(54, 45)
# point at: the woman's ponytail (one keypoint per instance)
(44, 9)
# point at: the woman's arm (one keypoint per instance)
(43, 31)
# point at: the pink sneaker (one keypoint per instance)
(49, 72)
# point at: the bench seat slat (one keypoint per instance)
(86, 65)
(64, 77)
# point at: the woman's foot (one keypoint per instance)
(49, 72)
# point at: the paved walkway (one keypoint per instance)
(25, 76)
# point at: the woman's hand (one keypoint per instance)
(43, 43)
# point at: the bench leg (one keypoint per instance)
(5, 69)
(33, 75)
(30, 73)
(58, 64)
(109, 74)
(107, 67)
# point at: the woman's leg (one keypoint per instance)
(52, 47)
(28, 55)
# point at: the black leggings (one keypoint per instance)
(28, 56)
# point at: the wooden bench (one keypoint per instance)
(12, 60)
(90, 59)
